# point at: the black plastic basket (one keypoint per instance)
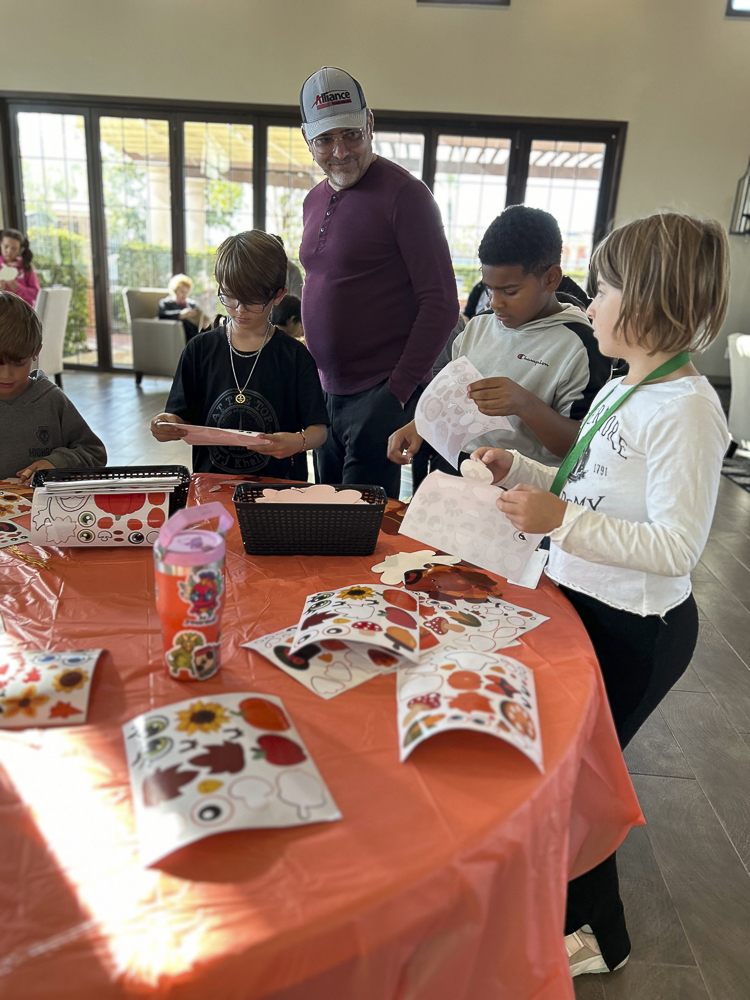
(177, 499)
(309, 529)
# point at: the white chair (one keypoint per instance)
(739, 405)
(157, 343)
(52, 307)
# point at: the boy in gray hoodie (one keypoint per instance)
(541, 362)
(39, 426)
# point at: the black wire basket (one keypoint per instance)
(177, 499)
(308, 529)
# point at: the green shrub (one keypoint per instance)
(63, 258)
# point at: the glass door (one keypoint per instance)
(57, 220)
(137, 215)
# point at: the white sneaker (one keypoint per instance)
(584, 954)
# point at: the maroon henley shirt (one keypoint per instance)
(379, 300)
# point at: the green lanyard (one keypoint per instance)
(582, 443)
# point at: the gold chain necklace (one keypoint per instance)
(240, 397)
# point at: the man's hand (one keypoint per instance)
(497, 460)
(499, 397)
(532, 510)
(281, 445)
(171, 433)
(404, 444)
(25, 474)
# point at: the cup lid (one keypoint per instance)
(193, 548)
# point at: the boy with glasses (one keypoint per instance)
(379, 299)
(245, 376)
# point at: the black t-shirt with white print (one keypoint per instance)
(283, 394)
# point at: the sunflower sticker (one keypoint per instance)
(356, 593)
(25, 703)
(34, 681)
(203, 717)
(70, 680)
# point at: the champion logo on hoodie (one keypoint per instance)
(522, 357)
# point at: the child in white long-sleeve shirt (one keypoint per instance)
(629, 511)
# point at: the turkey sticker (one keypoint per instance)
(460, 689)
(363, 614)
(224, 762)
(94, 519)
(328, 667)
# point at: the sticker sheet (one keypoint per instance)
(362, 613)
(46, 688)
(228, 762)
(14, 501)
(447, 417)
(480, 627)
(491, 694)
(12, 534)
(197, 434)
(459, 516)
(92, 519)
(327, 667)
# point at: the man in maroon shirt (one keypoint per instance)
(379, 299)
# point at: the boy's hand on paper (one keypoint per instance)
(281, 445)
(531, 509)
(497, 460)
(167, 433)
(25, 474)
(404, 444)
(499, 397)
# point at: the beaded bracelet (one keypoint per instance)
(304, 440)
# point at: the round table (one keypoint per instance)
(445, 879)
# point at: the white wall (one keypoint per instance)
(676, 70)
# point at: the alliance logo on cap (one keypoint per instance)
(331, 97)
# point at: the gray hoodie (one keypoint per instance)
(43, 423)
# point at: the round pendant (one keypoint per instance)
(239, 398)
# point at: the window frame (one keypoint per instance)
(732, 12)
(520, 131)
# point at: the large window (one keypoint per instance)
(57, 220)
(116, 194)
(138, 215)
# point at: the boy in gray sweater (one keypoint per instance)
(39, 426)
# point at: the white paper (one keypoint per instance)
(224, 762)
(8, 273)
(492, 694)
(478, 626)
(46, 688)
(447, 418)
(226, 436)
(328, 667)
(94, 519)
(461, 517)
(533, 573)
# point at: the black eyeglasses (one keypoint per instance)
(255, 308)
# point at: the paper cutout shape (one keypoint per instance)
(94, 518)
(46, 688)
(447, 417)
(201, 767)
(319, 493)
(12, 534)
(476, 471)
(8, 273)
(226, 436)
(393, 568)
(328, 667)
(453, 583)
(460, 517)
(491, 694)
(481, 627)
(362, 613)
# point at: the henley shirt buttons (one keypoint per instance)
(322, 229)
(328, 212)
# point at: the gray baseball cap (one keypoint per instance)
(329, 99)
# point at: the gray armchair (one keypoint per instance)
(157, 343)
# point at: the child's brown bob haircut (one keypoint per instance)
(20, 329)
(251, 267)
(673, 272)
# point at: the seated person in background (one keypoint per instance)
(477, 302)
(177, 305)
(287, 316)
(15, 252)
(247, 376)
(39, 426)
(542, 363)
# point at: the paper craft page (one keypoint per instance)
(198, 434)
(227, 762)
(320, 493)
(447, 417)
(362, 613)
(12, 534)
(482, 627)
(327, 667)
(491, 694)
(88, 519)
(459, 516)
(46, 688)
(8, 273)
(14, 502)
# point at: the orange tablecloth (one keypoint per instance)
(445, 880)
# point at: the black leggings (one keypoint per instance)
(640, 659)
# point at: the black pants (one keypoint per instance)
(356, 448)
(428, 460)
(640, 660)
